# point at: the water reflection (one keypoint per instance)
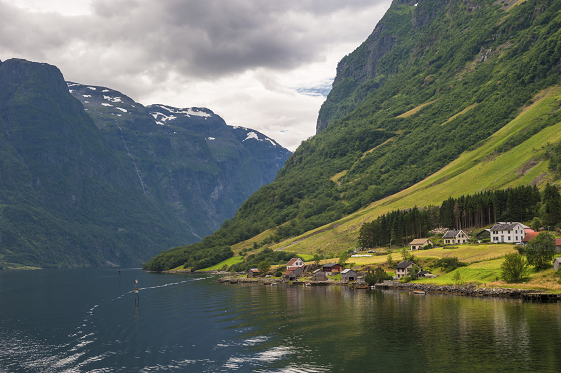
(349, 330)
(191, 323)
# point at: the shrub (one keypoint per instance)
(449, 264)
(514, 268)
(540, 251)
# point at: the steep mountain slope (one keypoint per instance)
(435, 79)
(186, 158)
(65, 198)
(473, 172)
(119, 188)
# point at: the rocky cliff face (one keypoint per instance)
(360, 70)
(88, 176)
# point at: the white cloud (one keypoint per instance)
(255, 63)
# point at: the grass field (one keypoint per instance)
(474, 171)
(469, 253)
(230, 261)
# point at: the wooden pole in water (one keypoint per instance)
(136, 296)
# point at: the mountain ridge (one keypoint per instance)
(88, 178)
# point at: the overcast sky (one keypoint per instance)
(262, 64)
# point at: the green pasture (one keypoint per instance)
(228, 262)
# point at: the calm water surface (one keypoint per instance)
(87, 321)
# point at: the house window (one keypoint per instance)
(509, 238)
(516, 238)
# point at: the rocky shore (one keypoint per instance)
(467, 290)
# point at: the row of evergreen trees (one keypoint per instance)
(522, 203)
(481, 209)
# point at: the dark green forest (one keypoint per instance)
(450, 55)
(479, 210)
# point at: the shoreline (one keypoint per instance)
(466, 290)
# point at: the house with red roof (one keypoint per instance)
(558, 244)
(295, 262)
(293, 274)
(529, 237)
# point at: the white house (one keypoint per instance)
(295, 263)
(511, 232)
(419, 243)
(455, 237)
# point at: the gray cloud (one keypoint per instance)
(202, 39)
(142, 46)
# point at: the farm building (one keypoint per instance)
(556, 263)
(348, 275)
(332, 268)
(319, 275)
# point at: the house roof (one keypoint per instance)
(451, 233)
(329, 265)
(530, 236)
(347, 271)
(318, 271)
(254, 269)
(558, 259)
(505, 226)
(424, 273)
(404, 264)
(291, 262)
(287, 273)
(558, 242)
(419, 241)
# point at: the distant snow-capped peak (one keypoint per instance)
(254, 135)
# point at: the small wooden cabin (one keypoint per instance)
(319, 275)
(348, 275)
(332, 268)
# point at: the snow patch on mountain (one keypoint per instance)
(193, 111)
(112, 99)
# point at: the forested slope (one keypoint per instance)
(435, 79)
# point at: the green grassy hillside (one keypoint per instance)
(444, 98)
(474, 171)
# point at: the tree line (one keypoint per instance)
(523, 203)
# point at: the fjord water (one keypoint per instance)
(86, 320)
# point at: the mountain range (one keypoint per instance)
(89, 177)
(444, 98)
